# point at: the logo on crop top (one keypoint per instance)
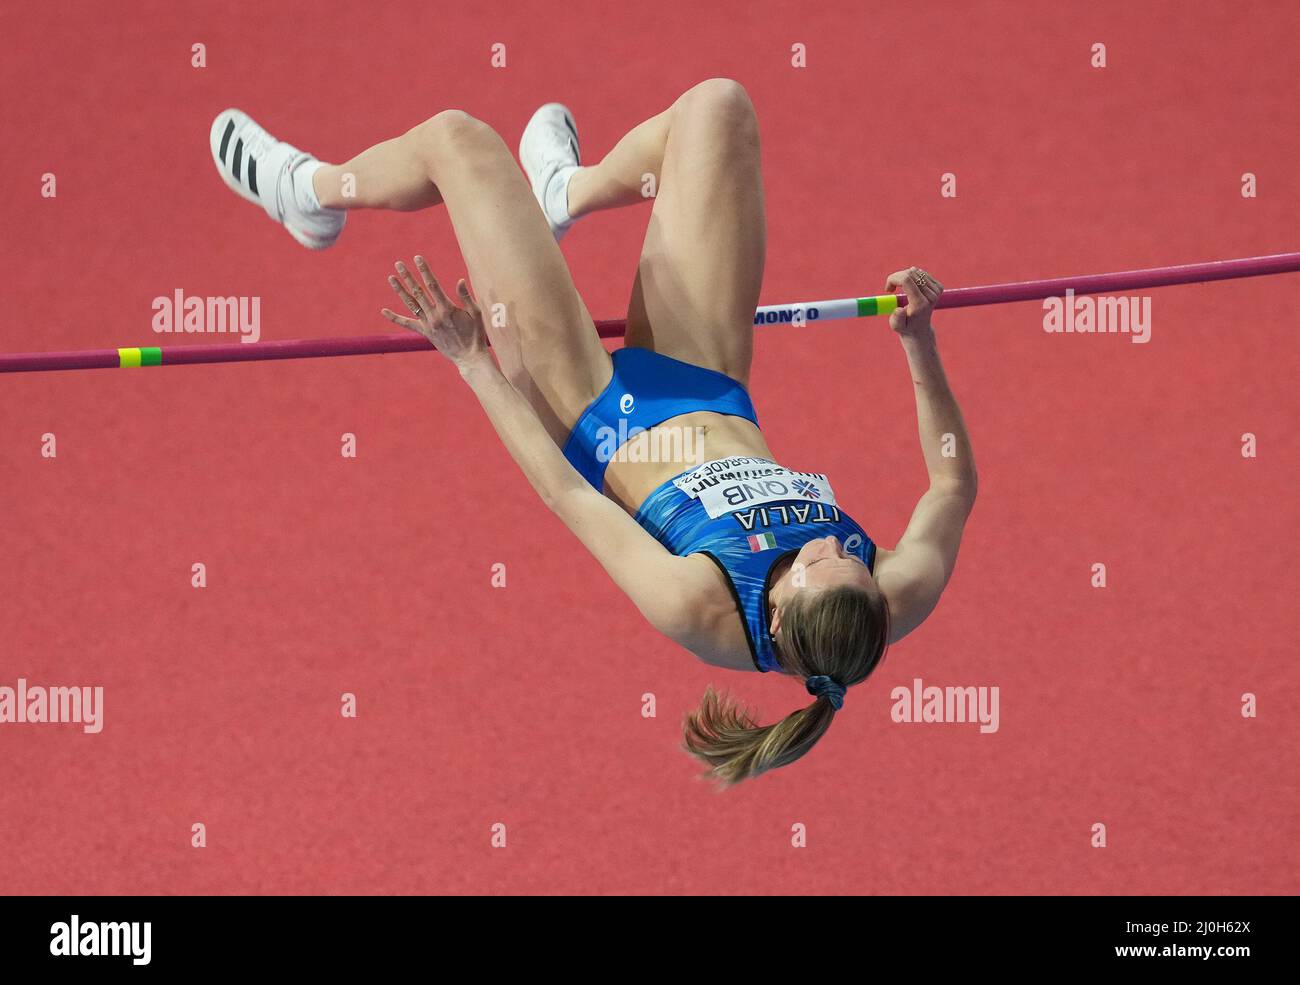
(806, 489)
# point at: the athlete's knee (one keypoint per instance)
(454, 134)
(723, 100)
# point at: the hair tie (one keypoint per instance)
(826, 687)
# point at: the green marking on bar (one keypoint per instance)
(866, 307)
(150, 356)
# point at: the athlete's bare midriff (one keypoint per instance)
(653, 457)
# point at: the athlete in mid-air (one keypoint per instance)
(747, 564)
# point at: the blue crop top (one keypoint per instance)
(755, 533)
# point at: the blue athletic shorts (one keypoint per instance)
(647, 389)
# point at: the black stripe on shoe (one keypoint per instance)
(225, 140)
(574, 142)
(252, 174)
(235, 164)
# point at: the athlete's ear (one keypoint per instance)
(776, 622)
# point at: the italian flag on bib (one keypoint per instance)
(761, 542)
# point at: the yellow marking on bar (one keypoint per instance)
(886, 304)
(127, 358)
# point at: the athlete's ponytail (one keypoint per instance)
(831, 639)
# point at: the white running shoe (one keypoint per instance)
(264, 170)
(548, 150)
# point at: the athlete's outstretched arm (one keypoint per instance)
(659, 583)
(914, 574)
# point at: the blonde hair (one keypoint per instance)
(841, 633)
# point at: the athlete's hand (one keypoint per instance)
(455, 332)
(922, 292)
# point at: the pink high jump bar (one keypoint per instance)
(961, 297)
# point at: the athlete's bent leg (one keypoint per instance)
(537, 323)
(627, 174)
(701, 265)
(390, 175)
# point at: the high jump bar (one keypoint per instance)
(808, 312)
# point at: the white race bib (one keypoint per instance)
(740, 482)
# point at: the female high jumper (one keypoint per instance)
(747, 564)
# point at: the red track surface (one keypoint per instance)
(522, 705)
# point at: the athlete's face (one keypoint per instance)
(821, 564)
